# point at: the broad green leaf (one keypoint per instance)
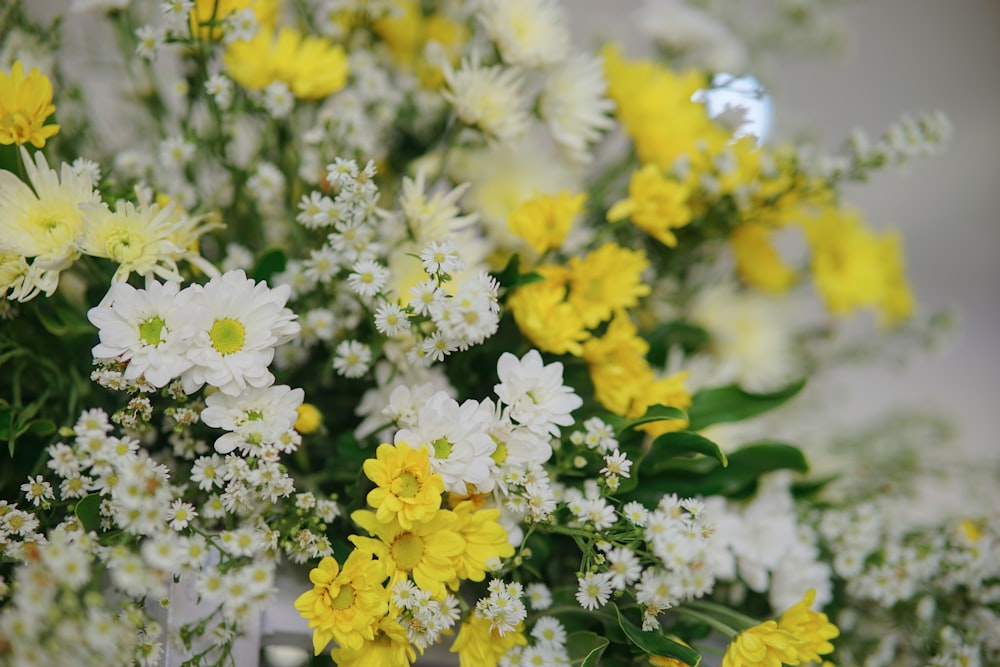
(654, 413)
(679, 443)
(88, 511)
(655, 643)
(271, 262)
(730, 404)
(585, 648)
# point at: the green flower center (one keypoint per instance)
(407, 551)
(344, 599)
(442, 448)
(406, 485)
(227, 335)
(151, 330)
(123, 246)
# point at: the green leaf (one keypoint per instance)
(88, 511)
(271, 262)
(61, 320)
(585, 648)
(655, 643)
(730, 404)
(654, 413)
(686, 442)
(511, 276)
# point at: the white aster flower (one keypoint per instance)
(391, 319)
(488, 98)
(593, 590)
(575, 107)
(549, 632)
(236, 324)
(530, 33)
(535, 392)
(37, 490)
(254, 417)
(145, 330)
(368, 278)
(441, 257)
(623, 566)
(352, 358)
(539, 596)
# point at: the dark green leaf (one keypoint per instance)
(88, 511)
(585, 648)
(654, 643)
(730, 404)
(654, 413)
(271, 262)
(679, 443)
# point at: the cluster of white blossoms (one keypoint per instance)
(547, 646)
(503, 607)
(424, 618)
(538, 66)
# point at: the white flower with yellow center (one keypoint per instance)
(137, 238)
(530, 33)
(488, 98)
(144, 329)
(257, 416)
(42, 221)
(575, 107)
(236, 325)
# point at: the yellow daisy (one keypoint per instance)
(406, 489)
(25, 103)
(389, 648)
(485, 540)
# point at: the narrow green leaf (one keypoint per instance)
(654, 413)
(655, 643)
(730, 404)
(88, 511)
(586, 648)
(271, 262)
(686, 442)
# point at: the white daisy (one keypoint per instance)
(255, 417)
(535, 392)
(530, 33)
(488, 98)
(575, 107)
(593, 590)
(390, 319)
(236, 325)
(145, 330)
(352, 358)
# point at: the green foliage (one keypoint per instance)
(655, 643)
(586, 648)
(730, 404)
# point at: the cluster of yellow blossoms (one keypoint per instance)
(411, 537)
(25, 104)
(693, 177)
(800, 636)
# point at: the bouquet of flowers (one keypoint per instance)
(425, 301)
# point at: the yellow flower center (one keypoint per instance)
(344, 599)
(407, 551)
(227, 335)
(442, 448)
(500, 453)
(123, 246)
(150, 331)
(406, 485)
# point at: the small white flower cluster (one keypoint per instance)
(548, 646)
(945, 581)
(503, 607)
(424, 619)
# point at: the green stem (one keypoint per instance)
(711, 621)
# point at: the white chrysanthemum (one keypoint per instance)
(457, 437)
(700, 39)
(257, 416)
(432, 217)
(751, 340)
(575, 107)
(236, 324)
(138, 239)
(488, 98)
(535, 392)
(42, 221)
(530, 33)
(145, 329)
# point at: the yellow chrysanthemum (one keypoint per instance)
(135, 238)
(764, 645)
(402, 31)
(25, 103)
(897, 302)
(812, 628)
(406, 489)
(479, 646)
(543, 315)
(605, 280)
(655, 204)
(309, 419)
(545, 220)
(485, 540)
(389, 648)
(654, 104)
(427, 551)
(758, 262)
(312, 67)
(344, 604)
